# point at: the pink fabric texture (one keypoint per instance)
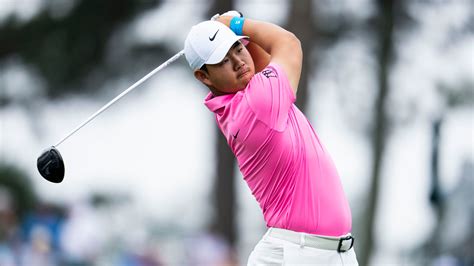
(284, 163)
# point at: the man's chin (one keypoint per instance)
(245, 80)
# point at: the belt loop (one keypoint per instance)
(302, 240)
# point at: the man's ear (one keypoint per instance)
(203, 76)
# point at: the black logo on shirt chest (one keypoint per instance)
(269, 73)
(236, 134)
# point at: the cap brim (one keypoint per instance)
(221, 50)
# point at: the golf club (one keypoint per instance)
(50, 163)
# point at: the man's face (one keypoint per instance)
(232, 74)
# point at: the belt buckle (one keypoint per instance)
(341, 240)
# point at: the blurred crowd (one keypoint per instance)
(57, 235)
(77, 235)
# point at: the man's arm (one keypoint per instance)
(261, 59)
(283, 46)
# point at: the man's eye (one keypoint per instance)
(239, 50)
(225, 60)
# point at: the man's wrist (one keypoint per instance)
(236, 25)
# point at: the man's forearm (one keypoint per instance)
(264, 34)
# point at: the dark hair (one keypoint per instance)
(204, 68)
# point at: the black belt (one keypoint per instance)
(340, 244)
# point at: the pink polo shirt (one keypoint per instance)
(283, 161)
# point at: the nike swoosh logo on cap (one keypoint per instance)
(214, 36)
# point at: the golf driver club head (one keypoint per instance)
(51, 165)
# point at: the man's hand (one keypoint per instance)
(231, 13)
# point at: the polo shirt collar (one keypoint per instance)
(214, 103)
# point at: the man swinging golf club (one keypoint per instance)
(252, 70)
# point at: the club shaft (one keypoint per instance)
(125, 92)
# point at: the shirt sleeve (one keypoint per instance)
(270, 96)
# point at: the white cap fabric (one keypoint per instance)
(208, 42)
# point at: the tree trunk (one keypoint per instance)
(433, 247)
(300, 22)
(223, 192)
(385, 23)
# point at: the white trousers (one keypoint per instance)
(275, 251)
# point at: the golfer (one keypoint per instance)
(252, 70)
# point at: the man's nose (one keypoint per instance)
(238, 62)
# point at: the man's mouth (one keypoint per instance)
(243, 73)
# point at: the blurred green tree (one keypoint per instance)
(384, 31)
(19, 187)
(66, 49)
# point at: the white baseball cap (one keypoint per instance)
(208, 42)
